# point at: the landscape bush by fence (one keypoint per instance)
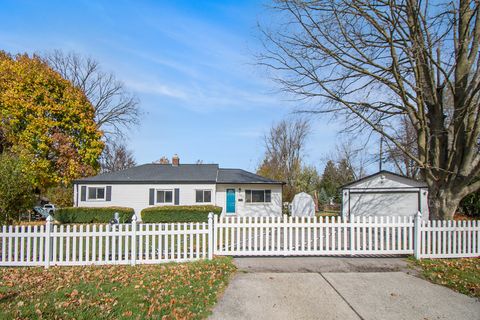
(92, 215)
(169, 214)
(239, 236)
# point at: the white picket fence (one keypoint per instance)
(104, 244)
(136, 243)
(287, 236)
(449, 239)
(329, 236)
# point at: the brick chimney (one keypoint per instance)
(175, 160)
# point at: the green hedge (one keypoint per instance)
(92, 215)
(167, 214)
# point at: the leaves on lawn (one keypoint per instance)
(462, 275)
(172, 291)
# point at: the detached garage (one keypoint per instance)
(385, 194)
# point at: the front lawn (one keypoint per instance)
(168, 291)
(462, 275)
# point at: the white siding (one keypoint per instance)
(136, 196)
(273, 208)
(384, 204)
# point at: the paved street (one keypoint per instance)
(272, 288)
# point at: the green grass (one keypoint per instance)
(168, 291)
(328, 214)
(462, 275)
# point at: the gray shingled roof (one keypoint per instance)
(241, 176)
(164, 173)
(183, 173)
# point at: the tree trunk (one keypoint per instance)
(442, 204)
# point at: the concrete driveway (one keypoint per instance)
(289, 293)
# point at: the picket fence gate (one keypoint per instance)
(330, 236)
(137, 243)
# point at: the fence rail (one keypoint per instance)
(239, 236)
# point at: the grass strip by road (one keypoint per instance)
(165, 291)
(462, 275)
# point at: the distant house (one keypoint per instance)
(238, 192)
(385, 194)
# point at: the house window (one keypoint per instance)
(258, 196)
(96, 193)
(164, 196)
(203, 196)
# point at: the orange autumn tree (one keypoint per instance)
(47, 121)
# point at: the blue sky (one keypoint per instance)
(191, 63)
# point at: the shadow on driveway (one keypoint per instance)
(322, 264)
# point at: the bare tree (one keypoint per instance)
(116, 157)
(284, 145)
(353, 155)
(115, 108)
(374, 63)
(407, 137)
(162, 160)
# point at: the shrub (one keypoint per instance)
(470, 205)
(16, 188)
(92, 215)
(167, 214)
(60, 195)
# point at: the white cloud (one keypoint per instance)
(156, 88)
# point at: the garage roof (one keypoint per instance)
(405, 181)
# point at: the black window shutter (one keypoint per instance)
(177, 196)
(151, 199)
(83, 193)
(108, 195)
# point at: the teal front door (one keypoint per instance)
(230, 201)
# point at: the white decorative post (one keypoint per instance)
(48, 242)
(133, 240)
(417, 228)
(285, 234)
(211, 246)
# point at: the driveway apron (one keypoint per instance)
(281, 296)
(319, 293)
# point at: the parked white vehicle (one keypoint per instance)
(49, 208)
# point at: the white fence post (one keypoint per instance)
(133, 254)
(215, 233)
(285, 234)
(351, 221)
(417, 227)
(211, 245)
(48, 243)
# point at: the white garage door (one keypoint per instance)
(384, 204)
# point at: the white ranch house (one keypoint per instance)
(238, 192)
(385, 194)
